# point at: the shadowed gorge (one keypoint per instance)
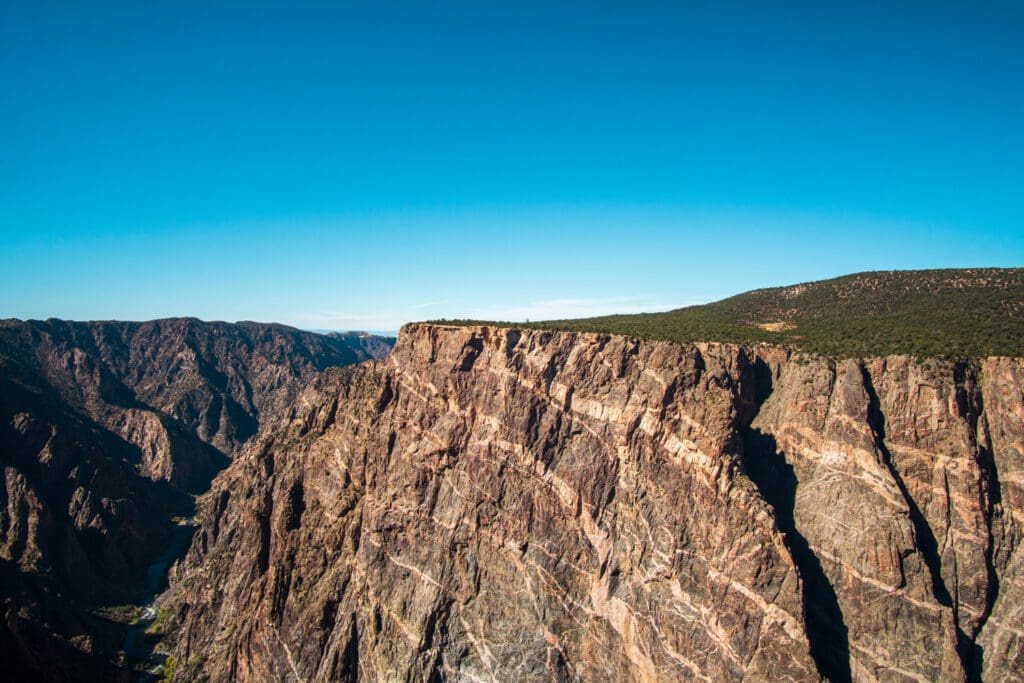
(107, 429)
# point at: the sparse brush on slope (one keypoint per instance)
(964, 313)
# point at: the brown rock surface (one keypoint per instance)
(499, 504)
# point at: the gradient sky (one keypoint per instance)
(357, 165)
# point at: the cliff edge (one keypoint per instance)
(498, 503)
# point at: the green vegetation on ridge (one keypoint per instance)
(973, 312)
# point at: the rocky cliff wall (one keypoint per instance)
(498, 504)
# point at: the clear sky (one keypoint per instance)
(357, 165)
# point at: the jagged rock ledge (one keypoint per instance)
(494, 503)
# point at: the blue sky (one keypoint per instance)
(358, 165)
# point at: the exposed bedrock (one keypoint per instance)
(501, 504)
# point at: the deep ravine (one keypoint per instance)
(106, 430)
(146, 661)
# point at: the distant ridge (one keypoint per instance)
(964, 313)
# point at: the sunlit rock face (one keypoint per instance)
(501, 504)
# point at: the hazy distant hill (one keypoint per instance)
(958, 312)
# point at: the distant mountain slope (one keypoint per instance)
(376, 346)
(213, 378)
(973, 312)
(105, 428)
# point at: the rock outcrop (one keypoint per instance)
(105, 428)
(502, 504)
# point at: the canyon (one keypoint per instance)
(490, 502)
(495, 503)
(107, 431)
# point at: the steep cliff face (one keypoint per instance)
(104, 430)
(888, 480)
(501, 504)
